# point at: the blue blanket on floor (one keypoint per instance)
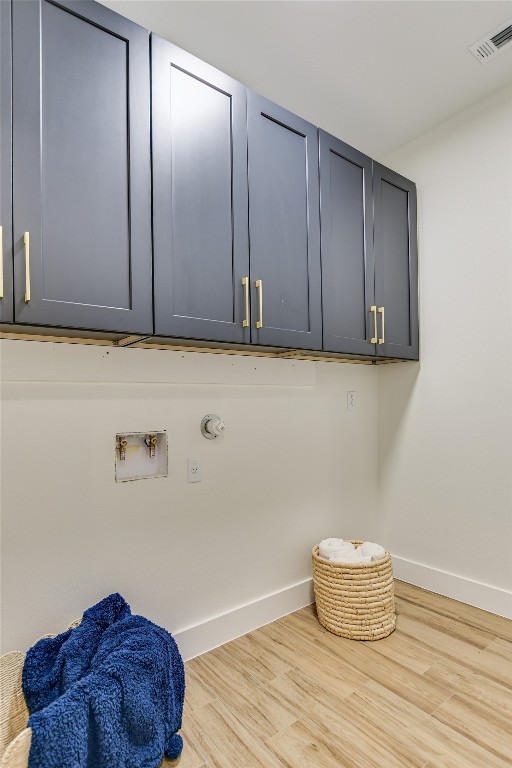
(107, 694)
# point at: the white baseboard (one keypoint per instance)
(217, 630)
(466, 590)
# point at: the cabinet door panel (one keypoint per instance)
(6, 310)
(199, 198)
(396, 263)
(284, 226)
(346, 247)
(82, 167)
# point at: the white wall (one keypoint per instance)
(445, 474)
(293, 467)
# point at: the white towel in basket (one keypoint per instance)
(341, 551)
(375, 551)
(327, 547)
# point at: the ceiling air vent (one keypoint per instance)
(493, 43)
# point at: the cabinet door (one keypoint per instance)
(81, 165)
(346, 228)
(284, 227)
(200, 225)
(6, 315)
(396, 263)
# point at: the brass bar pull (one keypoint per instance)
(259, 288)
(373, 310)
(245, 283)
(1, 264)
(26, 240)
(381, 312)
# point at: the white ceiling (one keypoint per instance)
(376, 73)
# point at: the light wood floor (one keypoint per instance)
(437, 693)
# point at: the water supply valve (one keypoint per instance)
(122, 442)
(150, 441)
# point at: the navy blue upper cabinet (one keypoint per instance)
(6, 314)
(346, 213)
(369, 256)
(81, 167)
(396, 264)
(284, 227)
(143, 191)
(200, 219)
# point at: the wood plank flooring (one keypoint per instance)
(437, 693)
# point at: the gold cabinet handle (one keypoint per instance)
(373, 310)
(381, 312)
(245, 283)
(259, 288)
(1, 264)
(26, 241)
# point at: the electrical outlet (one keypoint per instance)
(351, 400)
(193, 471)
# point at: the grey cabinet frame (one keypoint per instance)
(287, 181)
(346, 215)
(6, 303)
(200, 217)
(396, 263)
(58, 306)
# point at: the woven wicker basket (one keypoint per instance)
(15, 737)
(355, 601)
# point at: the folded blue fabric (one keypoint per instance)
(107, 694)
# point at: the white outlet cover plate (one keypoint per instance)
(194, 471)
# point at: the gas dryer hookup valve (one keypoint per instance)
(212, 426)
